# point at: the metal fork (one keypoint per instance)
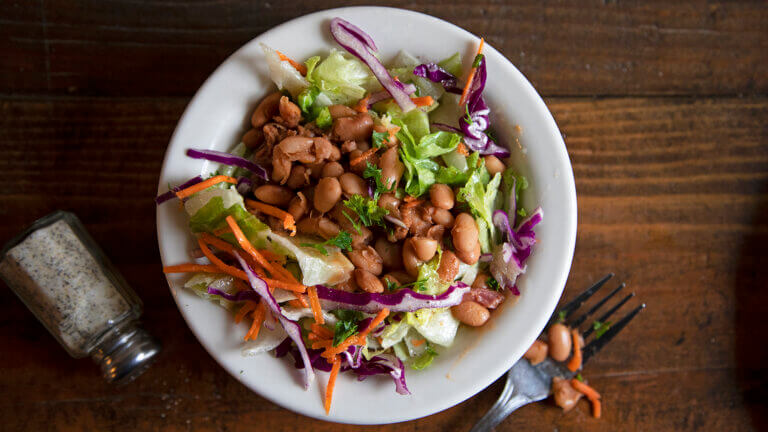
(527, 383)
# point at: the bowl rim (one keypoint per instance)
(569, 219)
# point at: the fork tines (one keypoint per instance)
(600, 340)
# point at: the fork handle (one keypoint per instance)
(499, 412)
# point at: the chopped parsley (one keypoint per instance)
(478, 59)
(343, 241)
(419, 285)
(561, 316)
(600, 328)
(346, 326)
(374, 172)
(493, 284)
(355, 225)
(391, 286)
(467, 116)
(579, 377)
(370, 214)
(379, 139)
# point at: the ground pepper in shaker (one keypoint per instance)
(64, 278)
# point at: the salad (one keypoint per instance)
(366, 215)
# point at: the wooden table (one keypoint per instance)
(663, 106)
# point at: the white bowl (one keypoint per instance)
(218, 115)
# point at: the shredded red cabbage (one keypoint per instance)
(385, 364)
(244, 185)
(509, 260)
(435, 73)
(291, 327)
(172, 193)
(228, 159)
(405, 300)
(359, 44)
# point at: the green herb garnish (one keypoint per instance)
(346, 326)
(579, 377)
(342, 240)
(478, 59)
(600, 328)
(373, 172)
(493, 284)
(391, 286)
(370, 214)
(561, 316)
(379, 139)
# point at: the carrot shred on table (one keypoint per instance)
(205, 184)
(592, 395)
(247, 307)
(462, 149)
(422, 101)
(322, 331)
(288, 222)
(258, 320)
(331, 384)
(363, 156)
(471, 76)
(314, 302)
(362, 105)
(296, 65)
(575, 362)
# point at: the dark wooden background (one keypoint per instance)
(663, 106)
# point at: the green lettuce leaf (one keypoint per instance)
(420, 169)
(482, 202)
(209, 209)
(452, 64)
(340, 77)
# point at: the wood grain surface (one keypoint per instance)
(663, 106)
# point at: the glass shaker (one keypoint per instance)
(64, 278)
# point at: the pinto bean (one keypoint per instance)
(289, 112)
(390, 253)
(436, 232)
(424, 248)
(327, 194)
(481, 281)
(391, 168)
(559, 342)
(566, 396)
(537, 353)
(298, 206)
(356, 128)
(469, 256)
(441, 196)
(367, 259)
(267, 108)
(367, 281)
(253, 138)
(338, 111)
(494, 165)
(319, 226)
(332, 169)
(410, 261)
(298, 178)
(471, 313)
(442, 217)
(449, 267)
(352, 184)
(464, 232)
(272, 194)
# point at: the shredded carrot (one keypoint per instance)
(423, 101)
(417, 342)
(374, 323)
(247, 307)
(362, 106)
(393, 130)
(298, 66)
(228, 269)
(221, 231)
(331, 383)
(258, 320)
(313, 337)
(363, 156)
(326, 344)
(288, 222)
(271, 256)
(302, 301)
(462, 149)
(248, 247)
(217, 242)
(358, 339)
(288, 286)
(322, 331)
(471, 76)
(191, 268)
(413, 203)
(295, 303)
(591, 394)
(575, 362)
(314, 301)
(205, 184)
